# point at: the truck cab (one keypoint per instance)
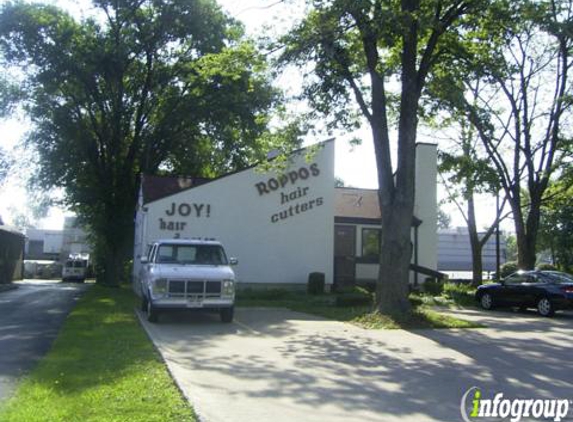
(187, 274)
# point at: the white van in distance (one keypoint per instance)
(75, 269)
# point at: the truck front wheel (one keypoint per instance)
(227, 314)
(152, 312)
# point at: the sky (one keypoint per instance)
(355, 165)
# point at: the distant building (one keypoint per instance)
(56, 245)
(74, 241)
(43, 245)
(11, 254)
(455, 254)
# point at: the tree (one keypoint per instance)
(444, 219)
(5, 165)
(360, 50)
(512, 84)
(9, 95)
(556, 225)
(466, 172)
(142, 87)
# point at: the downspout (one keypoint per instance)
(416, 254)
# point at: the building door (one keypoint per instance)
(344, 256)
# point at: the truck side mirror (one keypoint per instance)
(233, 261)
(144, 260)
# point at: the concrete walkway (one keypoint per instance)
(281, 366)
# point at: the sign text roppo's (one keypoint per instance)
(293, 197)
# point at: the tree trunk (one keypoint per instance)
(113, 256)
(526, 234)
(114, 240)
(396, 191)
(396, 253)
(475, 244)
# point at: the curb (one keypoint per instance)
(139, 316)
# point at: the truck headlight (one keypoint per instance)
(159, 287)
(228, 288)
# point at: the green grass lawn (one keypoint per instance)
(325, 305)
(102, 367)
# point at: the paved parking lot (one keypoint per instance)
(278, 365)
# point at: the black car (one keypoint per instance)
(547, 291)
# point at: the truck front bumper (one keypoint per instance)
(193, 303)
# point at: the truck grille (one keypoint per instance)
(194, 288)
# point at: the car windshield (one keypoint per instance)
(557, 277)
(192, 254)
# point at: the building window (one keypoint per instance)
(370, 243)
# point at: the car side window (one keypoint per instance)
(514, 279)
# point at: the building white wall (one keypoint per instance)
(243, 211)
(426, 204)
(53, 242)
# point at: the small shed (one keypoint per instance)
(11, 254)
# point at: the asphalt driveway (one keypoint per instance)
(30, 318)
(277, 365)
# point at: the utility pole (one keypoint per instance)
(497, 246)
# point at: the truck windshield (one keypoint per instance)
(192, 254)
(76, 264)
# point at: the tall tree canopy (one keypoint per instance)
(142, 86)
(556, 223)
(371, 59)
(512, 84)
(466, 172)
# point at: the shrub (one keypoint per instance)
(354, 298)
(508, 268)
(433, 287)
(461, 294)
(415, 300)
(315, 284)
(370, 286)
(264, 294)
(546, 267)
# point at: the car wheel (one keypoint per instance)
(486, 301)
(545, 307)
(227, 314)
(152, 312)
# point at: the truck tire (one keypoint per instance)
(227, 314)
(152, 312)
(143, 303)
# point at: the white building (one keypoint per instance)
(283, 225)
(455, 254)
(57, 245)
(43, 244)
(74, 241)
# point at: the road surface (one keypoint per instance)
(30, 318)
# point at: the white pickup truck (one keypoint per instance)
(187, 274)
